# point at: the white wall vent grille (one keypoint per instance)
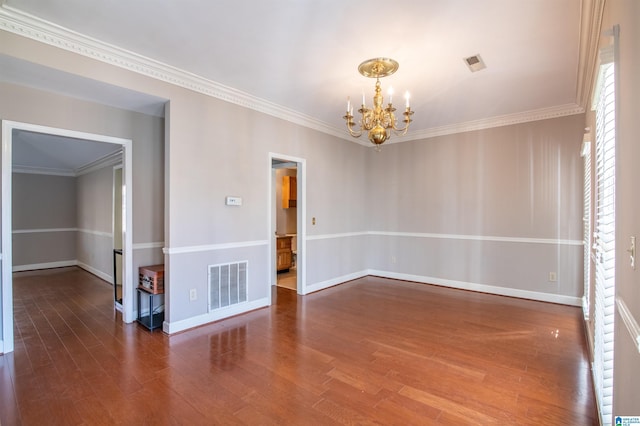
(228, 284)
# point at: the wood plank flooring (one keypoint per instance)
(371, 351)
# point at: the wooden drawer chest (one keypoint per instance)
(151, 278)
(283, 253)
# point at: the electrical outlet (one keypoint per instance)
(553, 277)
(393, 259)
(193, 295)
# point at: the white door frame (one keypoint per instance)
(121, 205)
(301, 248)
(7, 344)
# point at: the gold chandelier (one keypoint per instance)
(378, 121)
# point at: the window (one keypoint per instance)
(604, 238)
(586, 220)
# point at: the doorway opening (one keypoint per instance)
(10, 132)
(287, 210)
(118, 213)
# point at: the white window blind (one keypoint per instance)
(586, 220)
(604, 242)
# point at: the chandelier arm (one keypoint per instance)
(401, 132)
(407, 119)
(354, 133)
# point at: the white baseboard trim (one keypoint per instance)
(219, 314)
(335, 281)
(108, 278)
(483, 288)
(62, 264)
(48, 265)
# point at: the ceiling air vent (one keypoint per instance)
(475, 63)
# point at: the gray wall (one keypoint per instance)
(95, 221)
(44, 220)
(62, 221)
(224, 150)
(499, 207)
(513, 182)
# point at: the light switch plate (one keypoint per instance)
(233, 201)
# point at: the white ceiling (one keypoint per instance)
(17, 71)
(303, 55)
(58, 155)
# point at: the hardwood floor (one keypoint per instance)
(371, 351)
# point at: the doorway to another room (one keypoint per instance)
(103, 151)
(118, 243)
(286, 225)
(287, 222)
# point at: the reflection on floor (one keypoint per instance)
(288, 279)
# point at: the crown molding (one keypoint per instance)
(42, 171)
(30, 26)
(105, 161)
(591, 12)
(26, 25)
(498, 121)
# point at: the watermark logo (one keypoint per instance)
(627, 421)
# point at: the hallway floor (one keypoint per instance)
(288, 279)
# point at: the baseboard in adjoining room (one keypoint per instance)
(108, 278)
(48, 265)
(63, 264)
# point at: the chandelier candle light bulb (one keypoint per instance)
(378, 121)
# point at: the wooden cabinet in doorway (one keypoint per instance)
(284, 254)
(289, 192)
